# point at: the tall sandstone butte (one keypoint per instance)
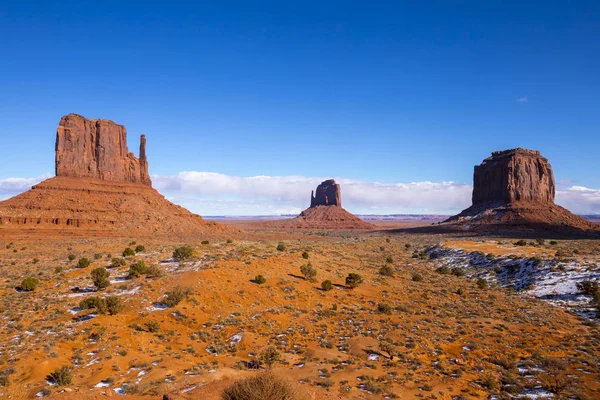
(514, 189)
(328, 193)
(97, 149)
(513, 175)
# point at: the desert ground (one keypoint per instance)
(424, 323)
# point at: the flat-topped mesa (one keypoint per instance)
(97, 148)
(328, 193)
(516, 175)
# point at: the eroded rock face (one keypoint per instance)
(516, 175)
(97, 148)
(328, 193)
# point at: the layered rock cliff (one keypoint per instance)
(97, 149)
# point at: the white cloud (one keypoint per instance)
(12, 186)
(291, 194)
(579, 199)
(522, 99)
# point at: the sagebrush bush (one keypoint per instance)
(156, 271)
(353, 280)
(308, 271)
(281, 247)
(83, 262)
(100, 278)
(114, 305)
(482, 283)
(29, 284)
(264, 386)
(384, 308)
(61, 376)
(139, 248)
(269, 357)
(128, 252)
(260, 279)
(137, 269)
(326, 285)
(117, 262)
(183, 253)
(177, 295)
(416, 277)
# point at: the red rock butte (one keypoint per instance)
(100, 189)
(514, 189)
(325, 212)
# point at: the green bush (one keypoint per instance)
(139, 248)
(353, 280)
(260, 279)
(61, 376)
(205, 242)
(114, 305)
(58, 270)
(444, 270)
(128, 252)
(100, 278)
(308, 271)
(281, 247)
(29, 284)
(521, 242)
(71, 257)
(177, 295)
(457, 271)
(83, 262)
(137, 269)
(553, 242)
(94, 302)
(389, 260)
(305, 255)
(386, 270)
(152, 326)
(117, 262)
(416, 277)
(326, 285)
(183, 253)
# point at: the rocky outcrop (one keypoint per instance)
(97, 149)
(513, 175)
(328, 193)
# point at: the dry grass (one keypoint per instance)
(264, 386)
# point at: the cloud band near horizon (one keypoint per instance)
(210, 193)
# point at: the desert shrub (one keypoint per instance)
(71, 257)
(305, 255)
(460, 291)
(384, 308)
(521, 242)
(260, 279)
(353, 280)
(83, 262)
(156, 271)
(100, 278)
(137, 269)
(308, 271)
(553, 243)
(117, 262)
(269, 357)
(29, 284)
(139, 248)
(152, 326)
(128, 252)
(114, 305)
(540, 241)
(407, 246)
(386, 270)
(177, 295)
(205, 242)
(556, 371)
(264, 386)
(61, 376)
(588, 287)
(416, 277)
(389, 260)
(36, 260)
(444, 270)
(326, 285)
(458, 271)
(183, 253)
(97, 256)
(58, 270)
(482, 283)
(281, 247)
(94, 302)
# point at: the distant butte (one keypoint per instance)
(325, 212)
(515, 189)
(100, 189)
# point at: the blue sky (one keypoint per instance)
(370, 92)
